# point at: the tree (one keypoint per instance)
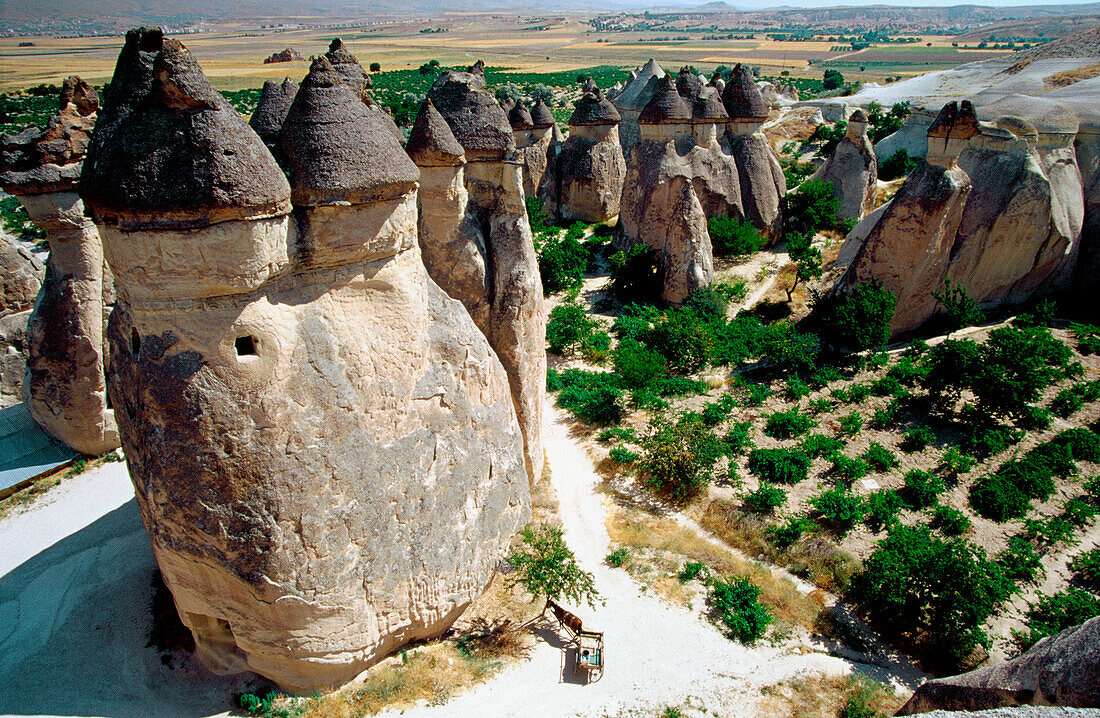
(958, 305)
(679, 458)
(832, 79)
(861, 318)
(545, 566)
(568, 327)
(812, 208)
(808, 259)
(375, 67)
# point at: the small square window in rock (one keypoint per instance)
(246, 346)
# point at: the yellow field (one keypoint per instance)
(233, 59)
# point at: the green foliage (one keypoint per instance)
(1071, 399)
(832, 79)
(593, 397)
(618, 557)
(883, 416)
(1088, 338)
(839, 507)
(1086, 569)
(850, 469)
(808, 259)
(922, 489)
(896, 165)
(809, 209)
(780, 466)
(949, 365)
(950, 521)
(739, 438)
(562, 261)
(851, 424)
(634, 273)
(959, 307)
(691, 571)
(784, 535)
(858, 702)
(679, 457)
(818, 445)
(731, 236)
(635, 321)
(1083, 445)
(861, 318)
(622, 455)
(883, 508)
(880, 458)
(956, 463)
(920, 588)
(998, 499)
(765, 499)
(1056, 613)
(708, 303)
(15, 219)
(917, 439)
(985, 441)
(1018, 363)
(567, 328)
(736, 603)
(786, 424)
(796, 388)
(637, 365)
(908, 372)
(683, 338)
(546, 567)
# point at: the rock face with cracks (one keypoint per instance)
(586, 180)
(20, 280)
(1062, 670)
(63, 385)
(323, 446)
(852, 170)
(495, 222)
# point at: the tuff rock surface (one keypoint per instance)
(533, 133)
(1062, 670)
(323, 445)
(495, 222)
(852, 170)
(63, 383)
(20, 280)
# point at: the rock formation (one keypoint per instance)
(1062, 670)
(20, 280)
(997, 207)
(63, 386)
(323, 445)
(532, 133)
(633, 98)
(287, 55)
(270, 113)
(852, 170)
(586, 179)
(762, 181)
(515, 323)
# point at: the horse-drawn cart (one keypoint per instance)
(588, 645)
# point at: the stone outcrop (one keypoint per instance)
(515, 322)
(997, 208)
(1062, 670)
(632, 99)
(532, 131)
(852, 170)
(270, 113)
(63, 385)
(287, 55)
(323, 446)
(20, 280)
(586, 180)
(763, 184)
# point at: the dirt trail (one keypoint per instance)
(657, 654)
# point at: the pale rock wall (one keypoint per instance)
(534, 153)
(852, 170)
(588, 175)
(21, 276)
(763, 184)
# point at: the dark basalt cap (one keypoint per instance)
(271, 110)
(955, 121)
(687, 84)
(742, 97)
(594, 109)
(519, 118)
(170, 152)
(36, 160)
(507, 104)
(336, 149)
(431, 142)
(707, 107)
(347, 65)
(639, 91)
(477, 121)
(857, 116)
(541, 115)
(666, 106)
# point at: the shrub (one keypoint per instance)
(546, 567)
(922, 489)
(623, 455)
(955, 463)
(908, 372)
(715, 412)
(707, 302)
(739, 438)
(1056, 613)
(861, 318)
(757, 393)
(950, 521)
(785, 534)
(839, 507)
(780, 466)
(1079, 512)
(917, 439)
(1017, 364)
(812, 207)
(1086, 568)
(917, 587)
(797, 388)
(883, 416)
(568, 327)
(818, 445)
(1071, 399)
(896, 165)
(637, 365)
(1049, 531)
(880, 458)
(679, 458)
(683, 339)
(886, 386)
(1088, 338)
(634, 273)
(766, 499)
(562, 261)
(732, 236)
(850, 469)
(691, 571)
(785, 424)
(618, 433)
(882, 509)
(635, 321)
(851, 424)
(596, 347)
(593, 397)
(949, 365)
(984, 442)
(1084, 445)
(736, 604)
(820, 405)
(959, 307)
(618, 557)
(998, 499)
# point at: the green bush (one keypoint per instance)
(908, 372)
(715, 412)
(950, 521)
(732, 236)
(683, 339)
(618, 557)
(691, 571)
(950, 365)
(1073, 398)
(796, 388)
(933, 594)
(736, 604)
(839, 507)
(622, 455)
(811, 208)
(1049, 531)
(780, 466)
(1017, 364)
(562, 262)
(739, 438)
(983, 442)
(707, 302)
(851, 424)
(998, 499)
(766, 499)
(568, 328)
(256, 705)
(922, 489)
(785, 534)
(1079, 512)
(879, 458)
(594, 397)
(883, 508)
(956, 463)
(635, 321)
(637, 365)
(917, 439)
(1086, 569)
(1056, 613)
(679, 458)
(850, 469)
(1088, 338)
(546, 567)
(861, 318)
(896, 165)
(1084, 445)
(959, 307)
(596, 346)
(634, 273)
(786, 424)
(818, 445)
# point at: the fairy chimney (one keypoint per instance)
(270, 113)
(852, 170)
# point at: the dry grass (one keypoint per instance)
(814, 557)
(671, 540)
(544, 500)
(1019, 65)
(1061, 79)
(820, 696)
(28, 495)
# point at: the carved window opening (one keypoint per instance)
(246, 346)
(135, 341)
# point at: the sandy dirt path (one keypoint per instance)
(657, 654)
